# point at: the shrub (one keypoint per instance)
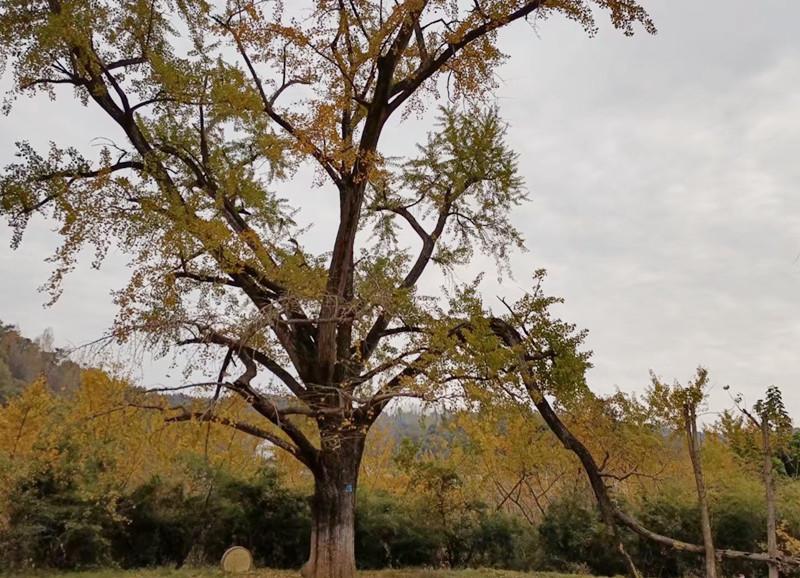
(572, 535)
(166, 525)
(50, 523)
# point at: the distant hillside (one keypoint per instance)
(23, 360)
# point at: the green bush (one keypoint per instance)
(157, 528)
(503, 541)
(50, 523)
(572, 536)
(389, 533)
(738, 522)
(167, 526)
(671, 513)
(53, 521)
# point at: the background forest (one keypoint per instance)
(91, 473)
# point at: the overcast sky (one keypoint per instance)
(663, 176)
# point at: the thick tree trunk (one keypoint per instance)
(769, 486)
(332, 551)
(693, 445)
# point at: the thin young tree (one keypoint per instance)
(213, 106)
(677, 405)
(774, 427)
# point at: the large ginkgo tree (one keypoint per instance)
(213, 107)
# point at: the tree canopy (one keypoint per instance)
(214, 106)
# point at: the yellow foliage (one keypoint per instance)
(25, 422)
(101, 435)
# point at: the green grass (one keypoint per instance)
(213, 573)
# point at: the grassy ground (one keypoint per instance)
(213, 573)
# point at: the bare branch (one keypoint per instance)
(45, 81)
(404, 88)
(210, 336)
(238, 425)
(376, 332)
(284, 123)
(205, 278)
(125, 62)
(78, 174)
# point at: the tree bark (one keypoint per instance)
(769, 487)
(332, 550)
(693, 445)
